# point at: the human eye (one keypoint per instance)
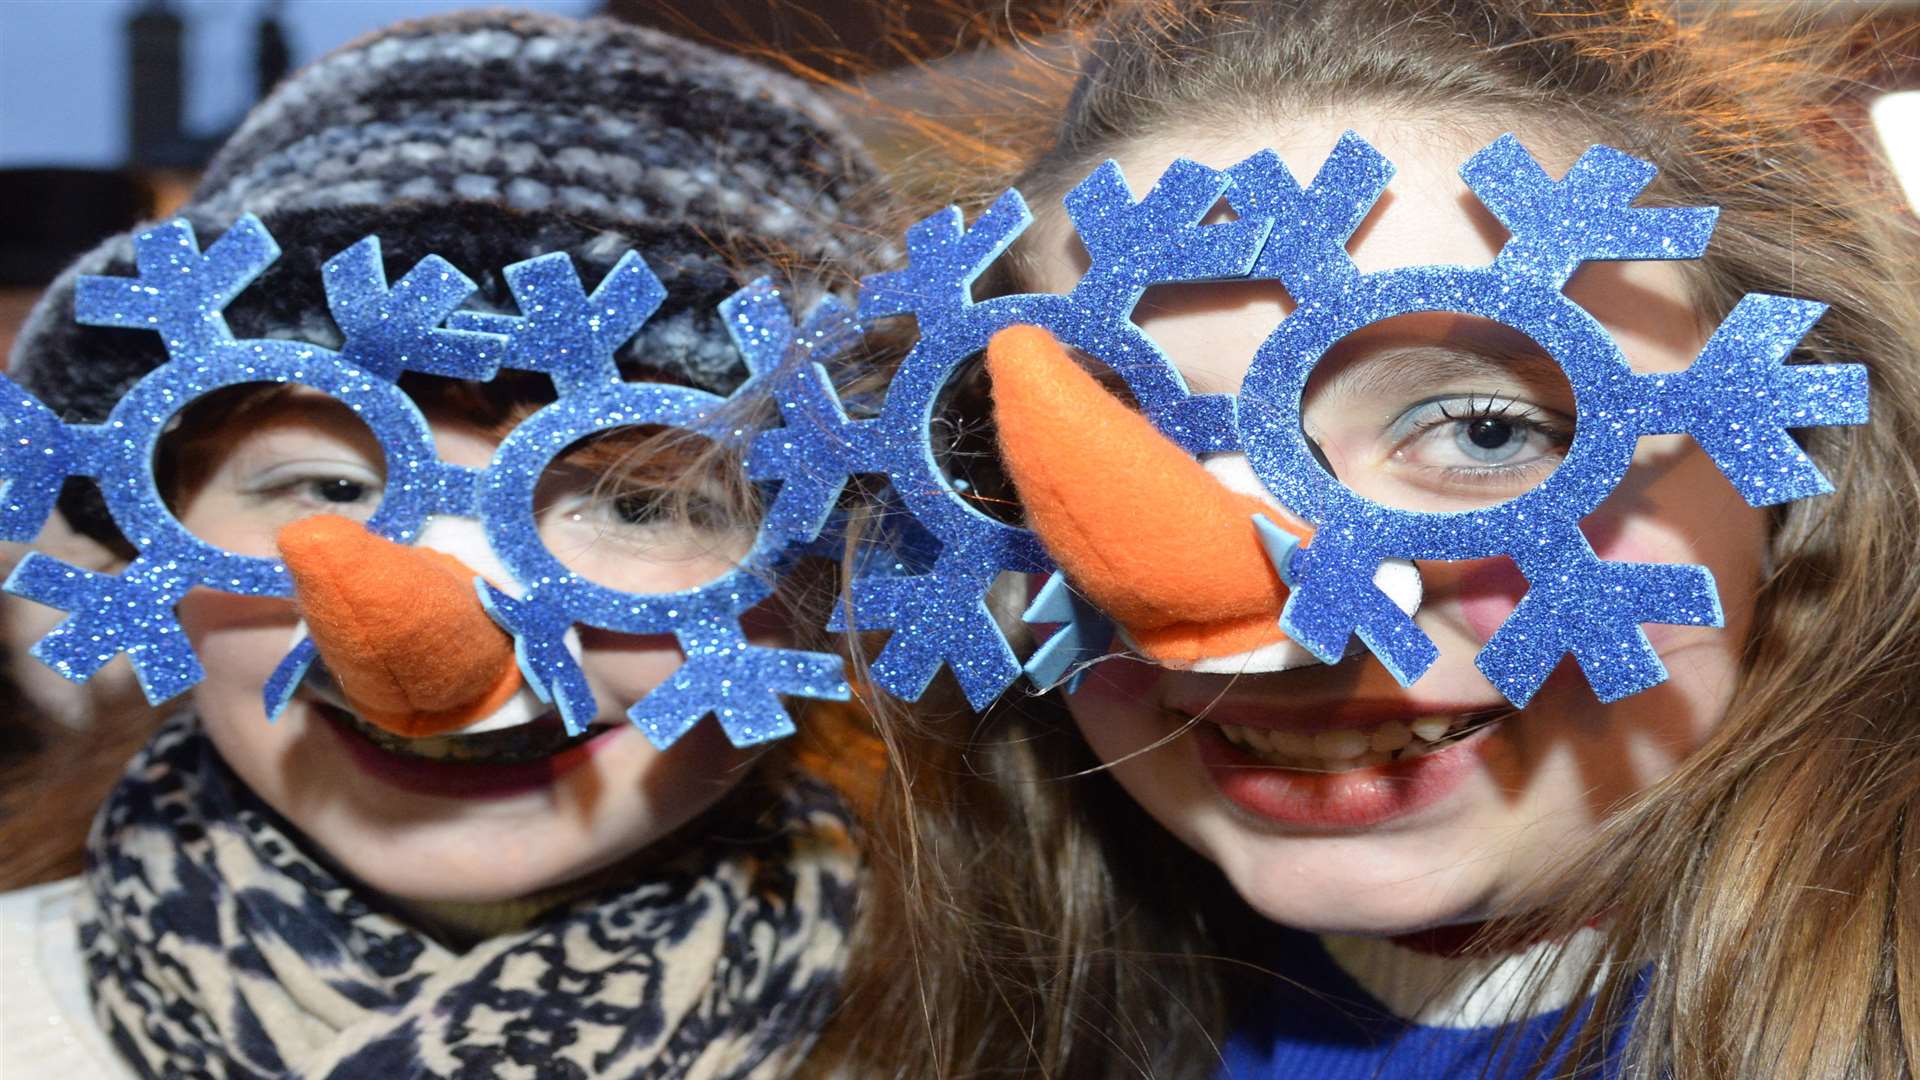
(315, 486)
(646, 511)
(641, 537)
(1480, 443)
(642, 511)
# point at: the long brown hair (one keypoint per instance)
(1768, 890)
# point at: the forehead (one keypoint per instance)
(1427, 216)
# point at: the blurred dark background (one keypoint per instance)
(109, 107)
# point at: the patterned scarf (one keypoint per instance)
(217, 948)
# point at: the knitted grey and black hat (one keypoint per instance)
(488, 138)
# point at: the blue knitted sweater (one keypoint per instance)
(1349, 1009)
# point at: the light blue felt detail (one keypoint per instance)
(1279, 544)
(287, 676)
(940, 617)
(1084, 636)
(1737, 401)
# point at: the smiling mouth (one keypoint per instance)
(1348, 749)
(535, 740)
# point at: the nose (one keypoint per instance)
(1144, 530)
(400, 628)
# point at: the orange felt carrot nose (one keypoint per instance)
(1146, 532)
(400, 628)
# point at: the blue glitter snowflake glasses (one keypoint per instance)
(941, 616)
(1738, 400)
(391, 328)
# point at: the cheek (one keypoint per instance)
(1115, 713)
(1117, 684)
(238, 638)
(641, 794)
(1487, 590)
(629, 665)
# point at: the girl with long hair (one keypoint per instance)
(417, 867)
(1170, 868)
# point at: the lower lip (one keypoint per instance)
(450, 780)
(1354, 799)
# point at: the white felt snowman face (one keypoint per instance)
(509, 804)
(1333, 797)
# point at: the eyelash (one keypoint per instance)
(305, 486)
(650, 507)
(1520, 414)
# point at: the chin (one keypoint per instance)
(1326, 915)
(1370, 896)
(402, 831)
(490, 867)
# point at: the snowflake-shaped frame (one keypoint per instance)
(180, 291)
(940, 616)
(1737, 400)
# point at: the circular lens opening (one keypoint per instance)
(1438, 412)
(647, 509)
(238, 464)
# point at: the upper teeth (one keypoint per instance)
(1348, 748)
(523, 707)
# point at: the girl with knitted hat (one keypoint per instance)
(417, 868)
(1213, 851)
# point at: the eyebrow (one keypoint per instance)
(1394, 369)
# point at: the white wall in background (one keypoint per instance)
(1897, 118)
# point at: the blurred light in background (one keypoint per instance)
(1897, 119)
(64, 64)
(108, 108)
